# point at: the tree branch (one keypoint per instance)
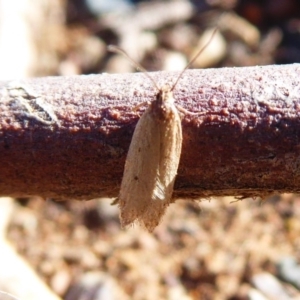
(67, 137)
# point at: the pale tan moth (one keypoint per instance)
(153, 157)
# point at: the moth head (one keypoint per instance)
(163, 107)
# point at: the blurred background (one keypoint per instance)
(209, 249)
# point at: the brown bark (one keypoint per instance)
(67, 137)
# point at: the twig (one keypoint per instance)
(67, 137)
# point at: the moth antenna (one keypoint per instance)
(118, 50)
(194, 58)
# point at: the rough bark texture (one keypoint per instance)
(67, 137)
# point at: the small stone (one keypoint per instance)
(254, 294)
(213, 53)
(60, 282)
(289, 271)
(95, 286)
(174, 61)
(270, 286)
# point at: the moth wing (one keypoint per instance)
(170, 151)
(150, 170)
(140, 172)
(169, 157)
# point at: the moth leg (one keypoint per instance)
(140, 105)
(116, 201)
(187, 112)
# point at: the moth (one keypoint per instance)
(153, 156)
